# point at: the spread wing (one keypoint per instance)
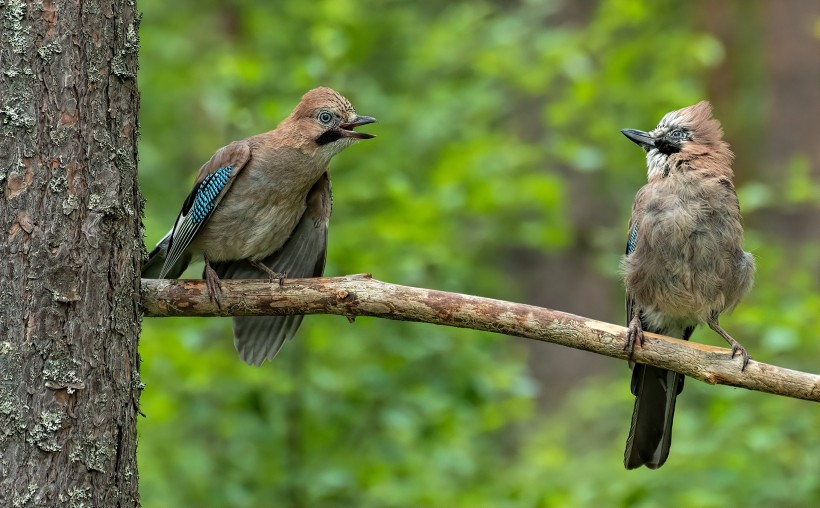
(215, 179)
(259, 338)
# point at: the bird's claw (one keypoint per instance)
(277, 277)
(212, 283)
(272, 276)
(737, 348)
(634, 335)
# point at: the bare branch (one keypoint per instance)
(360, 295)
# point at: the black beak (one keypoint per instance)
(641, 138)
(347, 128)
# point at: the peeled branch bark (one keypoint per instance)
(361, 295)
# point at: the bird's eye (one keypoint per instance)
(325, 117)
(677, 134)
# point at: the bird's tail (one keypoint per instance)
(650, 434)
(153, 266)
(655, 391)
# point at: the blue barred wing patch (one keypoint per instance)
(210, 187)
(202, 201)
(631, 243)
(633, 240)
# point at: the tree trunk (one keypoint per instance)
(70, 214)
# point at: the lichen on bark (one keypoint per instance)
(69, 317)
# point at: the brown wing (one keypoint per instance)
(214, 180)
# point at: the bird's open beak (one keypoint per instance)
(641, 138)
(347, 131)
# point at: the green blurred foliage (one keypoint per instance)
(487, 110)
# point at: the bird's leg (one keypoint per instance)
(212, 283)
(736, 347)
(272, 276)
(634, 334)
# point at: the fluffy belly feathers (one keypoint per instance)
(238, 231)
(685, 266)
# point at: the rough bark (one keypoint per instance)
(69, 211)
(360, 295)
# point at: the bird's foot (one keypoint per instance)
(212, 283)
(272, 276)
(634, 335)
(736, 347)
